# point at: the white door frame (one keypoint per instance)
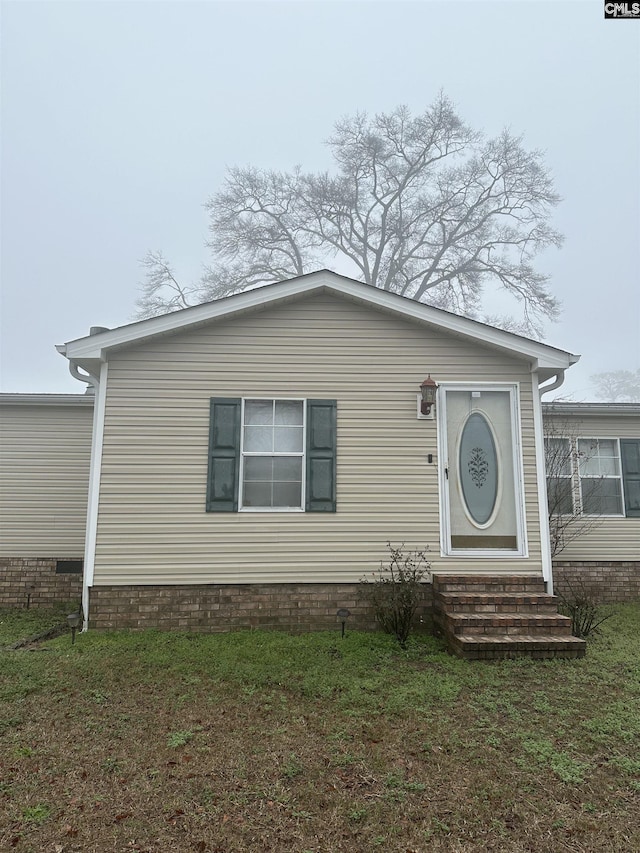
(516, 443)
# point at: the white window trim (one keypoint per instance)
(617, 476)
(522, 552)
(302, 455)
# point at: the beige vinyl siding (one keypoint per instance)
(44, 475)
(609, 538)
(152, 524)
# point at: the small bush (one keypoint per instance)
(584, 607)
(397, 589)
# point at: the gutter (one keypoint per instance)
(581, 409)
(28, 399)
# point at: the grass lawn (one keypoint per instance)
(266, 742)
(20, 624)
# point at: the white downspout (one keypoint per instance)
(545, 538)
(99, 386)
(557, 382)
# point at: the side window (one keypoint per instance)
(558, 458)
(593, 476)
(600, 476)
(272, 455)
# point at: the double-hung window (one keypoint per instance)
(272, 455)
(593, 476)
(600, 476)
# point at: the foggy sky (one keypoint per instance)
(119, 119)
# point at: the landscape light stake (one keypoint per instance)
(343, 614)
(30, 590)
(74, 622)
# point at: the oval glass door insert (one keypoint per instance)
(478, 468)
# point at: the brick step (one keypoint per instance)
(498, 616)
(502, 602)
(504, 646)
(514, 624)
(489, 583)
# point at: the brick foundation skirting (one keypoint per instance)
(216, 608)
(613, 582)
(34, 582)
(222, 607)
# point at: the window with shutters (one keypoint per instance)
(593, 476)
(272, 455)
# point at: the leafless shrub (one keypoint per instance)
(397, 589)
(582, 603)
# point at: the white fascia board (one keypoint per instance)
(96, 346)
(540, 355)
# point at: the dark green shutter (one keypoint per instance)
(630, 452)
(321, 456)
(224, 455)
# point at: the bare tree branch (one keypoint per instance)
(567, 520)
(160, 292)
(423, 206)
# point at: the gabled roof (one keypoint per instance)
(90, 351)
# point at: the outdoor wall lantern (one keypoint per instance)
(74, 620)
(428, 391)
(343, 614)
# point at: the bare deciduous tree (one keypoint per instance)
(421, 206)
(617, 386)
(567, 521)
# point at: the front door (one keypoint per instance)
(481, 473)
